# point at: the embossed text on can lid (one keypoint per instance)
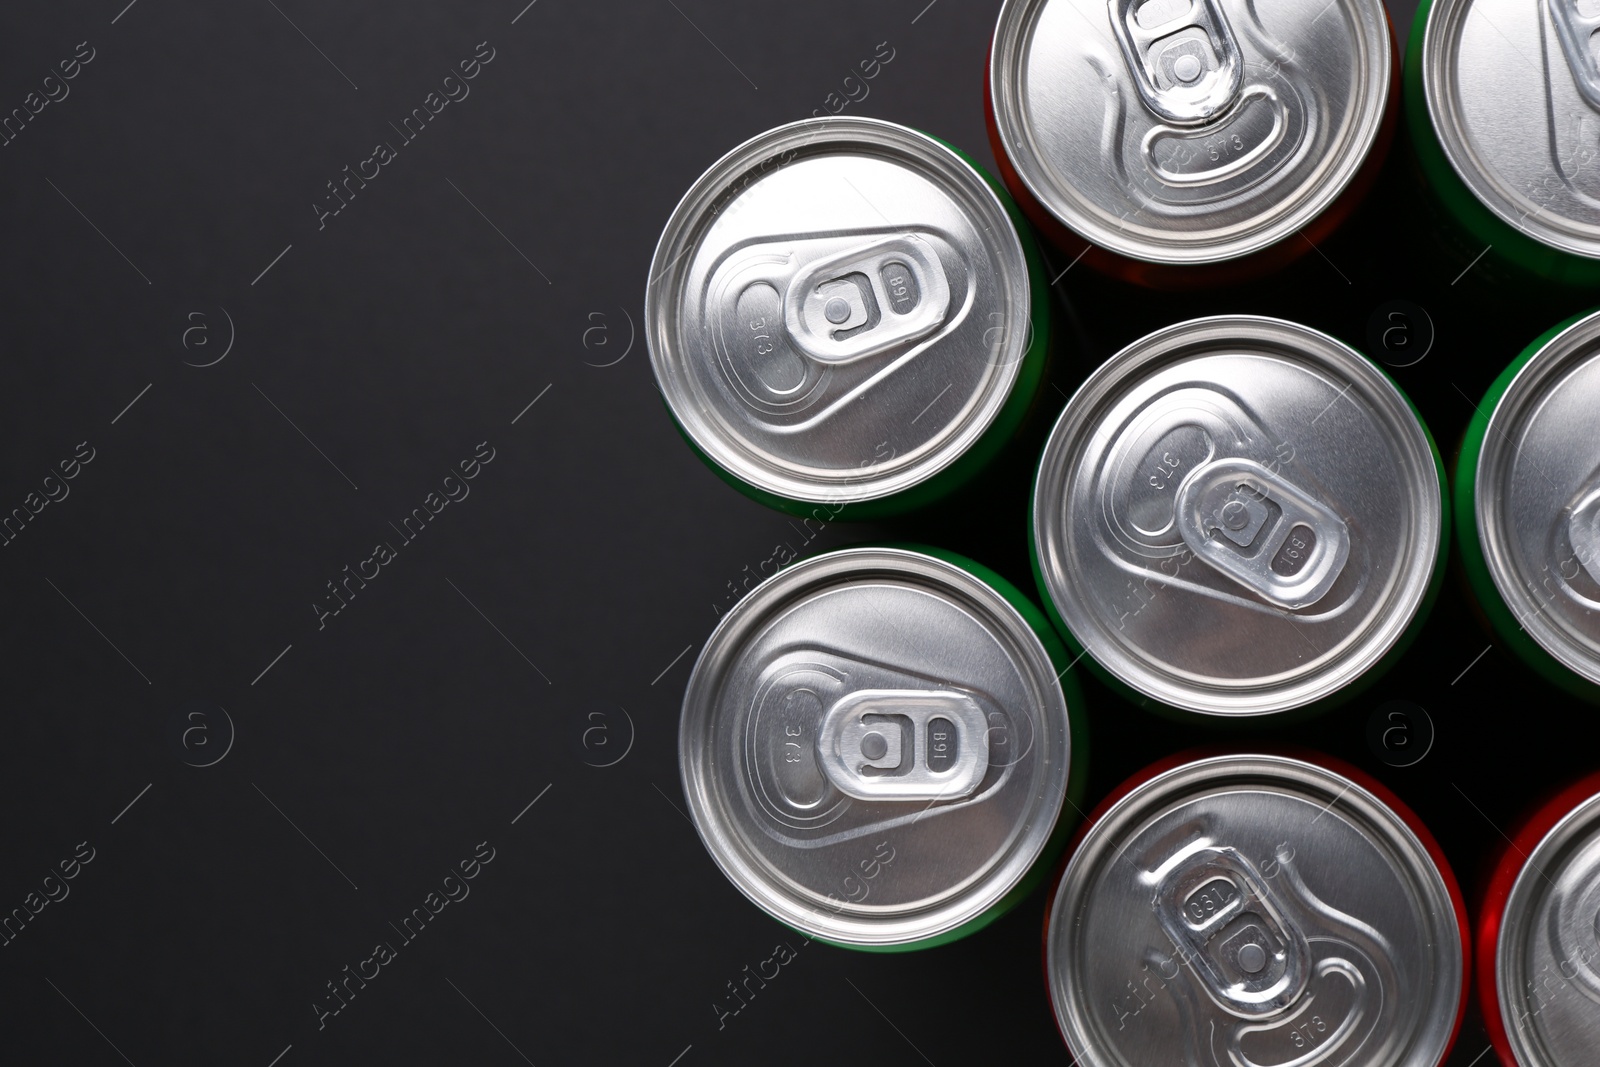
(874, 746)
(1537, 497)
(1189, 131)
(1238, 515)
(837, 310)
(1513, 92)
(1547, 955)
(1254, 910)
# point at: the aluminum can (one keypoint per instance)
(1538, 953)
(875, 747)
(1238, 516)
(1503, 105)
(843, 312)
(1256, 910)
(1191, 143)
(1527, 502)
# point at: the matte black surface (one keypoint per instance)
(543, 625)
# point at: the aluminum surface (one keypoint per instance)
(1254, 911)
(874, 746)
(1513, 90)
(1547, 959)
(1537, 497)
(1189, 131)
(1237, 515)
(838, 309)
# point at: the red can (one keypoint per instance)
(1188, 145)
(1538, 943)
(1256, 907)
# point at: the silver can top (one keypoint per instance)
(838, 309)
(1513, 92)
(1238, 515)
(1537, 497)
(1254, 911)
(874, 746)
(1547, 957)
(1189, 131)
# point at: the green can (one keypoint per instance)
(1527, 501)
(846, 313)
(1503, 105)
(877, 744)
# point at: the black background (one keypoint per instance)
(547, 622)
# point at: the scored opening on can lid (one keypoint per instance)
(1238, 515)
(1254, 909)
(838, 309)
(1513, 93)
(1189, 131)
(1547, 954)
(1536, 495)
(874, 746)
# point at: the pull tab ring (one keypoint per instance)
(1185, 60)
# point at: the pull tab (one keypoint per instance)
(1262, 531)
(868, 299)
(1583, 531)
(1183, 55)
(802, 324)
(1577, 33)
(904, 744)
(1250, 957)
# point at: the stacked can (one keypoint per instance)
(1234, 517)
(1538, 952)
(1185, 143)
(1239, 516)
(876, 748)
(843, 313)
(1503, 104)
(1527, 500)
(1256, 909)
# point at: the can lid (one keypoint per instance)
(1513, 92)
(1189, 131)
(874, 746)
(1537, 497)
(1547, 956)
(838, 309)
(1238, 515)
(1254, 910)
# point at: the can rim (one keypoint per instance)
(1078, 424)
(981, 891)
(1176, 778)
(1526, 387)
(692, 215)
(1015, 26)
(1514, 861)
(1551, 829)
(1445, 19)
